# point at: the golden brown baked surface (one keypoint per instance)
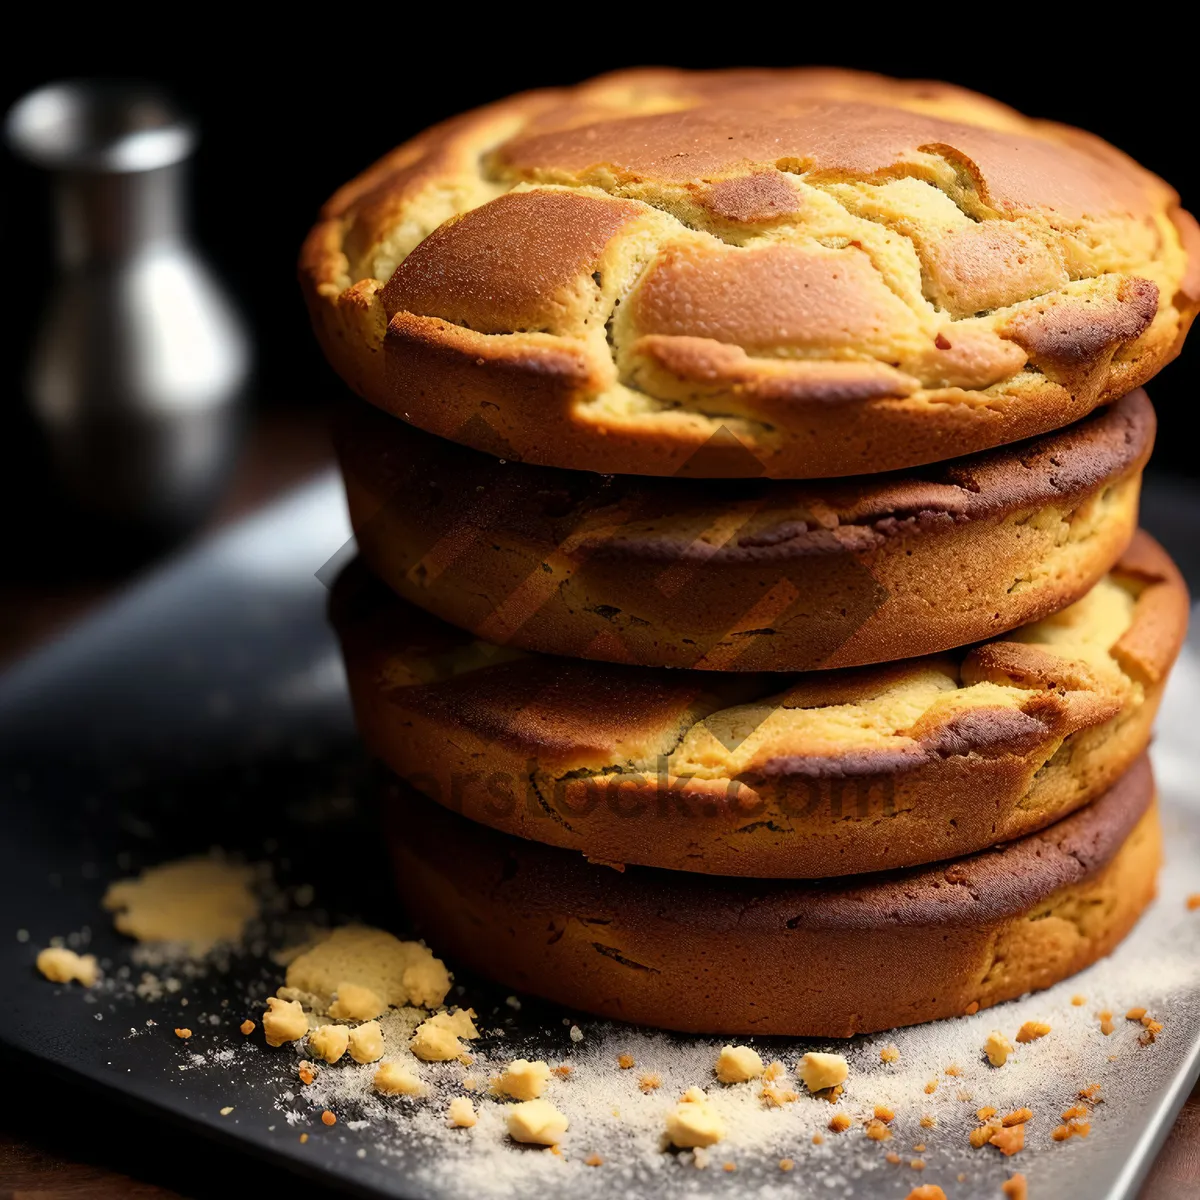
(793, 273)
(796, 776)
(744, 575)
(827, 959)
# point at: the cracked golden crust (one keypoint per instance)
(803, 776)
(744, 575)
(748, 956)
(843, 273)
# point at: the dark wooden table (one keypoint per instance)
(105, 1152)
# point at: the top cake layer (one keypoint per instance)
(792, 273)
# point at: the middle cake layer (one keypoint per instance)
(801, 776)
(745, 575)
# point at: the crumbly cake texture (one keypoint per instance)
(798, 273)
(820, 774)
(750, 956)
(744, 575)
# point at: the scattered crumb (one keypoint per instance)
(889, 1054)
(878, 1131)
(931, 1087)
(522, 1080)
(536, 1122)
(820, 1071)
(840, 1122)
(437, 1038)
(366, 1043)
(787, 1164)
(461, 1113)
(1074, 1112)
(625, 1061)
(394, 1079)
(953, 1070)
(284, 1021)
(884, 1113)
(306, 1073)
(927, 1191)
(739, 1064)
(729, 1166)
(1015, 1188)
(247, 1027)
(1009, 1139)
(650, 1081)
(997, 1048)
(774, 1070)
(1151, 1031)
(226, 1110)
(1193, 902)
(1032, 1030)
(984, 1133)
(928, 1122)
(1079, 1001)
(183, 1033)
(196, 903)
(776, 1096)
(327, 1118)
(329, 1042)
(985, 1114)
(1106, 1022)
(563, 1070)
(60, 965)
(1135, 1014)
(593, 1160)
(917, 1164)
(359, 957)
(892, 1157)
(1017, 1117)
(576, 1034)
(818, 1139)
(920, 1147)
(303, 1138)
(692, 1122)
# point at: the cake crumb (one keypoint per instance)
(625, 1061)
(226, 1110)
(821, 1071)
(928, 1122)
(1075, 1111)
(953, 1070)
(303, 1138)
(1193, 902)
(1017, 1117)
(889, 1054)
(563, 1070)
(437, 1038)
(776, 1096)
(1135, 1014)
(284, 1021)
(984, 1133)
(354, 1002)
(931, 1087)
(920, 1147)
(306, 1073)
(1015, 1188)
(60, 965)
(729, 1166)
(1078, 1001)
(1152, 1029)
(917, 1164)
(787, 1164)
(1106, 1022)
(986, 1113)
(247, 1027)
(1009, 1139)
(927, 1191)
(877, 1131)
(522, 1080)
(651, 1081)
(366, 1043)
(738, 1064)
(997, 1048)
(575, 1034)
(593, 1160)
(537, 1123)
(394, 1079)
(840, 1122)
(692, 1122)
(461, 1113)
(818, 1139)
(329, 1042)
(183, 1033)
(774, 1070)
(328, 1118)
(1032, 1030)
(892, 1157)
(884, 1113)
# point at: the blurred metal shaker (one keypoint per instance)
(141, 361)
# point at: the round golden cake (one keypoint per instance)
(770, 775)
(745, 575)
(796, 273)
(754, 956)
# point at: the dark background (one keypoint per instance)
(285, 122)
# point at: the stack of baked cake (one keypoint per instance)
(749, 493)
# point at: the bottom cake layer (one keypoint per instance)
(822, 959)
